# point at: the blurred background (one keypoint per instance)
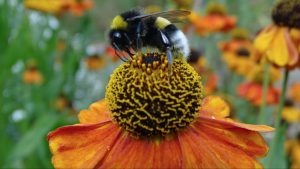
(55, 60)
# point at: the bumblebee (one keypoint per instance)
(134, 30)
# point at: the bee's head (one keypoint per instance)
(119, 38)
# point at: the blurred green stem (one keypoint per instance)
(278, 126)
(262, 111)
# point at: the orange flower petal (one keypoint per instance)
(211, 83)
(44, 5)
(139, 153)
(292, 49)
(82, 146)
(96, 113)
(214, 106)
(247, 140)
(295, 92)
(228, 124)
(264, 38)
(202, 149)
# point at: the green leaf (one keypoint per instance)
(32, 139)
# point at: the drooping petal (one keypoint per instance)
(292, 49)
(202, 150)
(229, 124)
(139, 153)
(96, 113)
(214, 106)
(251, 142)
(264, 38)
(278, 51)
(82, 146)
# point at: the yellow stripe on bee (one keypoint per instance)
(119, 23)
(161, 23)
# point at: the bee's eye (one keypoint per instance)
(117, 35)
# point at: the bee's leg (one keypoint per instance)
(123, 58)
(128, 47)
(167, 46)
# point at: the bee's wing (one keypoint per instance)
(172, 16)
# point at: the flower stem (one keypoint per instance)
(282, 99)
(278, 134)
(262, 111)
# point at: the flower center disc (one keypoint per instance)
(286, 13)
(148, 101)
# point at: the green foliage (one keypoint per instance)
(27, 112)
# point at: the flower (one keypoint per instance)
(62, 103)
(153, 119)
(252, 92)
(215, 20)
(76, 7)
(256, 73)
(295, 92)
(48, 6)
(94, 62)
(111, 53)
(239, 53)
(32, 75)
(199, 63)
(280, 42)
(61, 45)
(293, 150)
(152, 9)
(184, 4)
(290, 113)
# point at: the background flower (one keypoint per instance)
(58, 40)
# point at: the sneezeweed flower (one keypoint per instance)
(184, 4)
(253, 91)
(240, 61)
(256, 73)
(239, 39)
(199, 63)
(295, 92)
(239, 53)
(32, 75)
(290, 113)
(48, 6)
(111, 53)
(153, 119)
(215, 20)
(293, 150)
(94, 62)
(57, 7)
(78, 7)
(61, 45)
(280, 42)
(63, 104)
(152, 9)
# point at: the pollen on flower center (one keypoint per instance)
(147, 101)
(286, 13)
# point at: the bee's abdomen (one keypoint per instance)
(178, 39)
